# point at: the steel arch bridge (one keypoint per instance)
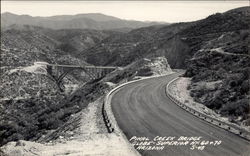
(59, 71)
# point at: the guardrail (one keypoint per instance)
(107, 113)
(229, 127)
(109, 118)
(106, 120)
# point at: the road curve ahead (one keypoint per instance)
(143, 109)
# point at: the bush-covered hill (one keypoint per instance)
(220, 66)
(220, 75)
(30, 101)
(145, 42)
(177, 42)
(27, 94)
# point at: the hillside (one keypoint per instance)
(220, 67)
(37, 43)
(220, 76)
(177, 42)
(144, 42)
(95, 21)
(26, 88)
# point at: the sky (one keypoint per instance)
(165, 11)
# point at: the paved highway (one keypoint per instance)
(143, 109)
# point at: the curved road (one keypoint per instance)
(143, 109)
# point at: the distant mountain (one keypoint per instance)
(80, 21)
(94, 16)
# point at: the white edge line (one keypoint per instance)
(107, 107)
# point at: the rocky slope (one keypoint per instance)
(95, 21)
(220, 76)
(29, 97)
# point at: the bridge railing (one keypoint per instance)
(227, 126)
(77, 66)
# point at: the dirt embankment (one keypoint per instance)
(89, 138)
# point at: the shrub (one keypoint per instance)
(244, 35)
(16, 137)
(232, 83)
(245, 87)
(145, 72)
(247, 122)
(215, 103)
(242, 107)
(66, 47)
(238, 108)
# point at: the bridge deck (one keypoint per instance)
(75, 66)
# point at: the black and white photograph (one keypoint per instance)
(125, 78)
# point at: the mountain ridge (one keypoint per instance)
(96, 21)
